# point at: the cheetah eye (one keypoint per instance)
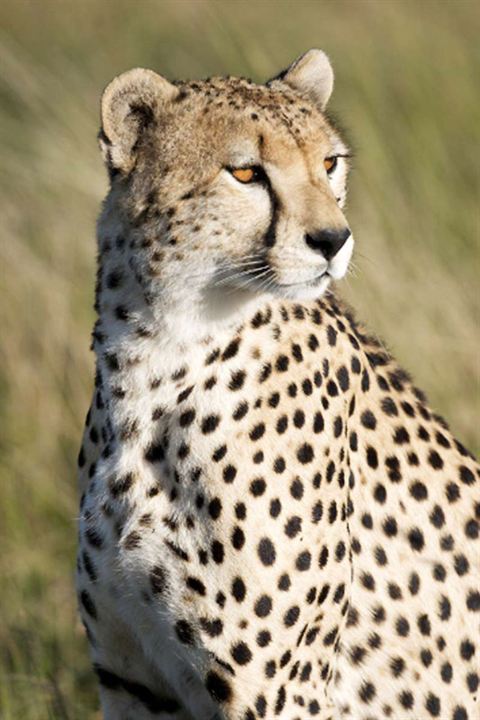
(330, 163)
(248, 175)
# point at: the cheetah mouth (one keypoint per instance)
(303, 290)
(308, 283)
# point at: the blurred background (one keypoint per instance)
(407, 93)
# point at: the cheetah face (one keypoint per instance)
(228, 188)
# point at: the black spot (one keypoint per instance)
(435, 460)
(238, 589)
(132, 541)
(397, 666)
(258, 487)
(196, 585)
(282, 424)
(184, 632)
(378, 614)
(357, 654)
(265, 373)
(238, 538)
(237, 380)
(432, 704)
(337, 426)
(231, 349)
(241, 653)
(368, 420)
(331, 335)
(439, 572)
(275, 507)
(416, 539)
(332, 512)
(263, 606)
(210, 423)
(318, 423)
(406, 699)
(467, 650)
(263, 638)
(424, 625)
(473, 601)
(88, 604)
(343, 379)
(187, 417)
(266, 551)
(177, 550)
(365, 382)
(303, 561)
(296, 489)
(401, 436)
(317, 511)
(229, 473)
(93, 537)
(418, 491)
(280, 701)
(402, 627)
(218, 552)
(279, 465)
(258, 457)
(293, 526)
(355, 365)
(367, 692)
(218, 687)
(257, 432)
(299, 418)
(284, 582)
(452, 492)
(155, 453)
(380, 555)
(274, 399)
(466, 475)
(340, 551)
(367, 581)
(215, 508)
(213, 628)
(390, 527)
(332, 388)
(473, 681)
(437, 517)
(380, 493)
(305, 453)
(281, 364)
(446, 672)
(393, 465)
(414, 583)
(444, 608)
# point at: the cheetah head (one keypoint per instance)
(224, 187)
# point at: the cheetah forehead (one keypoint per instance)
(145, 115)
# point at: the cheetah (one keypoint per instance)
(273, 522)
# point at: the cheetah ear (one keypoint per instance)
(130, 104)
(312, 76)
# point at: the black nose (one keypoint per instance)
(328, 241)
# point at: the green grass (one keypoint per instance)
(406, 89)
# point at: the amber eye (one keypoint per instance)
(244, 175)
(330, 164)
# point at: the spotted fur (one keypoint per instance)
(273, 522)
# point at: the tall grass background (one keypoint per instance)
(407, 92)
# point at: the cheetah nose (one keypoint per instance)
(328, 241)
